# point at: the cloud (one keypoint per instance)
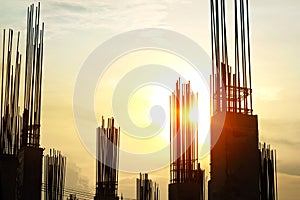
(290, 169)
(283, 132)
(75, 180)
(115, 15)
(66, 16)
(283, 135)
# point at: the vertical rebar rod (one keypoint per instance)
(249, 56)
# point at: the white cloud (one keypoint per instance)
(115, 15)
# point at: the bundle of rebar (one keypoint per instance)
(146, 189)
(108, 142)
(231, 88)
(10, 123)
(267, 173)
(17, 131)
(33, 78)
(184, 167)
(54, 175)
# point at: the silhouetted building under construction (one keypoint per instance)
(186, 176)
(146, 189)
(54, 175)
(267, 173)
(235, 154)
(20, 152)
(108, 142)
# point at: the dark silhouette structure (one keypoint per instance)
(10, 128)
(108, 142)
(54, 175)
(235, 155)
(186, 176)
(8, 173)
(267, 173)
(20, 152)
(29, 179)
(146, 189)
(10, 122)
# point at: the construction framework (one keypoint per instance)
(11, 120)
(184, 136)
(267, 173)
(33, 78)
(231, 86)
(20, 155)
(54, 175)
(17, 131)
(146, 189)
(108, 142)
(184, 166)
(234, 128)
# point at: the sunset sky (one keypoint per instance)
(74, 29)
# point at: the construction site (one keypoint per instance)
(241, 166)
(237, 161)
(21, 154)
(187, 179)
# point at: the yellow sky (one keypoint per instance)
(75, 28)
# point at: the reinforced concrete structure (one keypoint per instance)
(10, 121)
(108, 142)
(54, 175)
(8, 173)
(20, 152)
(267, 173)
(235, 155)
(29, 180)
(146, 189)
(186, 176)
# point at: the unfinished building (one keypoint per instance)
(54, 175)
(267, 173)
(108, 142)
(235, 155)
(146, 189)
(20, 152)
(186, 176)
(11, 119)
